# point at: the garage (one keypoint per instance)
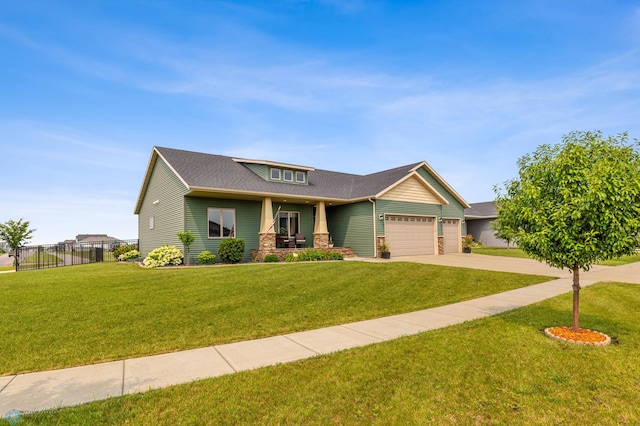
(451, 235)
(410, 235)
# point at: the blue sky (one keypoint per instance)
(87, 88)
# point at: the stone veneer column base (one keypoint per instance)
(267, 245)
(321, 241)
(440, 245)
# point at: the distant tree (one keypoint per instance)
(15, 234)
(502, 232)
(575, 203)
(186, 238)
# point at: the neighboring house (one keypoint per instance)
(478, 219)
(95, 238)
(411, 208)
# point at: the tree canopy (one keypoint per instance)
(575, 203)
(15, 234)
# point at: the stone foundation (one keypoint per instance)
(440, 245)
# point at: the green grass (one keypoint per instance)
(500, 251)
(516, 252)
(7, 268)
(497, 370)
(94, 313)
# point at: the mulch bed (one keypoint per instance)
(582, 337)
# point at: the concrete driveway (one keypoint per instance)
(626, 273)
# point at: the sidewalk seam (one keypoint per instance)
(8, 383)
(287, 336)
(225, 359)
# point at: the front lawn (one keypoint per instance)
(86, 314)
(497, 370)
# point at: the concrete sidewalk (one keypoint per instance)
(71, 386)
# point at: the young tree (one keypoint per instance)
(186, 238)
(502, 232)
(575, 203)
(15, 234)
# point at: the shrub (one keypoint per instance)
(206, 258)
(133, 254)
(163, 256)
(271, 258)
(313, 255)
(120, 250)
(231, 250)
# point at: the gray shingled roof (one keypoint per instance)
(212, 171)
(481, 210)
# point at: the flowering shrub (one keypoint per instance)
(206, 258)
(132, 254)
(313, 255)
(120, 250)
(163, 256)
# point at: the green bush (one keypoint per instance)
(231, 250)
(313, 255)
(120, 250)
(271, 258)
(163, 256)
(206, 258)
(133, 254)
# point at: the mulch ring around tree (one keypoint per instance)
(582, 337)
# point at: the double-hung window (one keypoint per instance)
(222, 223)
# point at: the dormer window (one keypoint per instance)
(288, 176)
(300, 177)
(276, 174)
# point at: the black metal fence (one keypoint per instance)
(68, 254)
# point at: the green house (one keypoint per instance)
(277, 207)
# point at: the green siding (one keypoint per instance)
(260, 169)
(165, 187)
(247, 222)
(454, 209)
(351, 226)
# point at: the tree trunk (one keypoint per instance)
(576, 298)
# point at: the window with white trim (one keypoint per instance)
(288, 175)
(300, 177)
(222, 223)
(276, 174)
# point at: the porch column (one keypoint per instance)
(320, 231)
(267, 232)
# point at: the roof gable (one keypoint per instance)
(413, 189)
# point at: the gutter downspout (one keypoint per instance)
(375, 232)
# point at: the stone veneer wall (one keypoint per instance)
(440, 245)
(321, 241)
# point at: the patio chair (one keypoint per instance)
(301, 240)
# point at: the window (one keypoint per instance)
(288, 175)
(275, 174)
(300, 177)
(222, 223)
(288, 224)
(152, 222)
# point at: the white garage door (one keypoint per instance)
(451, 235)
(409, 235)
